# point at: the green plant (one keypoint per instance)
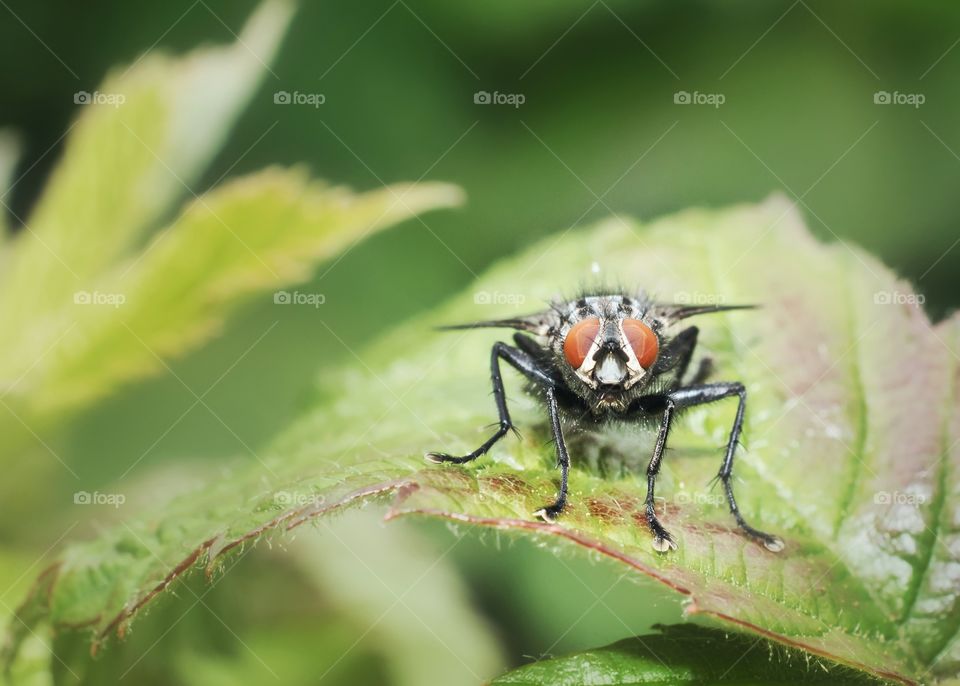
(684, 654)
(83, 316)
(109, 280)
(860, 483)
(851, 435)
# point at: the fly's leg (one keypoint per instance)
(527, 366)
(708, 393)
(662, 540)
(552, 511)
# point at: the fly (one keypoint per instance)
(604, 358)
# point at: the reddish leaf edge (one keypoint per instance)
(33, 608)
(690, 609)
(212, 550)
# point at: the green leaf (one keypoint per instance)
(134, 151)
(851, 450)
(358, 603)
(684, 655)
(258, 233)
(34, 665)
(139, 143)
(82, 315)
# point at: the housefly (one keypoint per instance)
(611, 357)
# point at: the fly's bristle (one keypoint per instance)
(684, 311)
(490, 324)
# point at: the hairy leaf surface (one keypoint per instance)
(850, 449)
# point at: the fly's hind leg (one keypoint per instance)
(707, 393)
(690, 396)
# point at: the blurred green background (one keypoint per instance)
(599, 131)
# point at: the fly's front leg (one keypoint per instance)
(708, 393)
(662, 540)
(552, 511)
(527, 366)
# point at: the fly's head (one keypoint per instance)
(606, 348)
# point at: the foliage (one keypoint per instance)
(851, 453)
(83, 316)
(683, 654)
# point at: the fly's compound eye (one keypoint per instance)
(643, 340)
(579, 340)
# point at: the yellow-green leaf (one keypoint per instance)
(260, 233)
(139, 143)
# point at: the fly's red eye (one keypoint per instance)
(579, 339)
(643, 341)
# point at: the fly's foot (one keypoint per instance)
(550, 513)
(662, 540)
(440, 458)
(772, 543)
